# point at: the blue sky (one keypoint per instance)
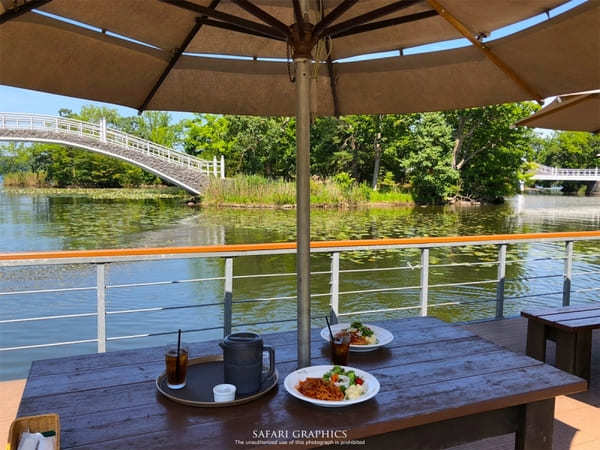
(23, 100)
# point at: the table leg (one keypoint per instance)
(565, 350)
(536, 340)
(536, 423)
(583, 353)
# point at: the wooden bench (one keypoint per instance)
(571, 329)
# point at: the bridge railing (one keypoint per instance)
(103, 258)
(101, 133)
(557, 171)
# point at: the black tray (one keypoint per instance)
(202, 375)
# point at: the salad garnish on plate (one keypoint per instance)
(336, 384)
(359, 334)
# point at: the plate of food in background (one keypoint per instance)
(363, 337)
(332, 386)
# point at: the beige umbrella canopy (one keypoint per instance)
(168, 55)
(575, 112)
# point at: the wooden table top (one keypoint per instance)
(569, 318)
(432, 371)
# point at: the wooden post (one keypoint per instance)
(536, 423)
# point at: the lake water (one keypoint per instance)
(49, 223)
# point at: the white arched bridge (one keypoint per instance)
(556, 174)
(173, 166)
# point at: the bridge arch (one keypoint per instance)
(175, 167)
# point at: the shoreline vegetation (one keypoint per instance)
(241, 191)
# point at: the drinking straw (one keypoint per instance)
(329, 326)
(178, 349)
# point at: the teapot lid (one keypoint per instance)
(242, 338)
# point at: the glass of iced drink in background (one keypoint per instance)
(176, 366)
(340, 347)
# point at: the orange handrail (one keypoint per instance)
(428, 241)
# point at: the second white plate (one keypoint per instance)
(383, 336)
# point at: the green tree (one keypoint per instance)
(488, 151)
(429, 165)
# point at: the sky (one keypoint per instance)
(27, 101)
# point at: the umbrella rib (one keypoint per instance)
(462, 29)
(332, 16)
(386, 23)
(176, 55)
(232, 27)
(299, 17)
(242, 23)
(332, 81)
(22, 9)
(263, 15)
(368, 17)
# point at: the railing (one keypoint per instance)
(100, 258)
(558, 172)
(103, 134)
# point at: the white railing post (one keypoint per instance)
(101, 307)
(334, 303)
(568, 273)
(222, 167)
(103, 129)
(228, 297)
(215, 166)
(501, 281)
(424, 281)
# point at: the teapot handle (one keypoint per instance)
(268, 348)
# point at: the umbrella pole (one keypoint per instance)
(303, 66)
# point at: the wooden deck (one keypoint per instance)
(577, 417)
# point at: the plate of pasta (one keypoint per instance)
(331, 386)
(363, 337)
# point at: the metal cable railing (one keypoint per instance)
(101, 258)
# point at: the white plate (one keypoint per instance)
(383, 336)
(292, 380)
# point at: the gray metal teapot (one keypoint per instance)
(243, 360)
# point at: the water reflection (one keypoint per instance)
(43, 223)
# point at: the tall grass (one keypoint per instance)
(25, 179)
(253, 190)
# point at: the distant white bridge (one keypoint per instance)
(176, 167)
(557, 174)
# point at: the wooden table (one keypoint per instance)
(440, 385)
(571, 329)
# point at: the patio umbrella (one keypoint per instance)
(167, 55)
(575, 112)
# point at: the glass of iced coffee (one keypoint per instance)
(176, 360)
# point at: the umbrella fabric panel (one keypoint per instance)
(577, 113)
(89, 65)
(236, 87)
(95, 66)
(166, 26)
(558, 56)
(149, 21)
